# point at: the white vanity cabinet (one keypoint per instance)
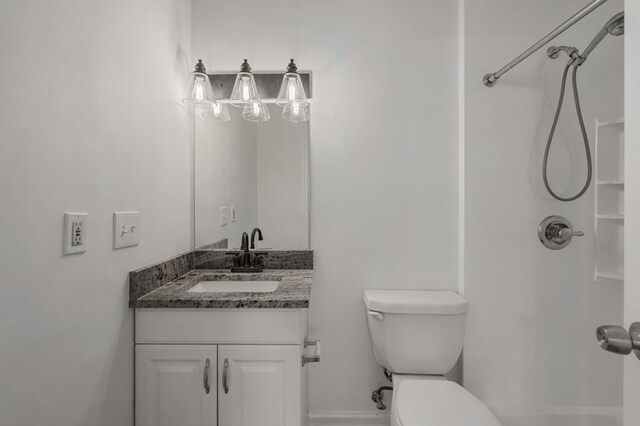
(226, 367)
(176, 385)
(260, 385)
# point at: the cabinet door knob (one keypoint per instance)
(225, 373)
(205, 376)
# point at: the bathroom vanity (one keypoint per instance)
(215, 347)
(220, 348)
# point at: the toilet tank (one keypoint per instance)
(414, 331)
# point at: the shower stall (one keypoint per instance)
(531, 352)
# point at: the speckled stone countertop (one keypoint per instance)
(293, 292)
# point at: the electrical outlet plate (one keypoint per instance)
(125, 229)
(224, 216)
(75, 233)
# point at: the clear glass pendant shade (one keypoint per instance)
(296, 111)
(244, 90)
(218, 112)
(291, 90)
(256, 111)
(199, 91)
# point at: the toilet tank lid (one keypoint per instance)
(415, 302)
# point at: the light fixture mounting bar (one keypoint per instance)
(268, 84)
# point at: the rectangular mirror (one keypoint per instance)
(251, 175)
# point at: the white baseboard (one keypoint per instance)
(348, 418)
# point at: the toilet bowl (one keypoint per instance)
(418, 337)
(431, 402)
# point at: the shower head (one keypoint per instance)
(615, 27)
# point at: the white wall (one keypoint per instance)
(632, 202)
(89, 121)
(530, 344)
(283, 184)
(383, 156)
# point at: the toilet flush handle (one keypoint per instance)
(376, 315)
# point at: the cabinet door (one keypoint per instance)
(259, 385)
(171, 385)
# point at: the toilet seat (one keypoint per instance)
(424, 402)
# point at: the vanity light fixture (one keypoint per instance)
(244, 90)
(245, 95)
(296, 111)
(292, 96)
(256, 111)
(199, 91)
(218, 111)
(291, 89)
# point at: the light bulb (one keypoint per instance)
(245, 89)
(291, 89)
(199, 91)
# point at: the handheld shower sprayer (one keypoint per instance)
(614, 27)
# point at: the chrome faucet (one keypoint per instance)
(246, 260)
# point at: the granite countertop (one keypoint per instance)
(293, 292)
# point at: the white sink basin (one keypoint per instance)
(234, 287)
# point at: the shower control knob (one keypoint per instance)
(556, 232)
(616, 339)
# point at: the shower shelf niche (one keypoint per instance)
(609, 201)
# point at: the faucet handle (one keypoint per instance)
(237, 258)
(568, 233)
(245, 242)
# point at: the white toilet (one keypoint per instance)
(418, 337)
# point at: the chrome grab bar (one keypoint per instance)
(491, 79)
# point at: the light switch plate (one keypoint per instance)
(224, 216)
(125, 229)
(233, 213)
(75, 233)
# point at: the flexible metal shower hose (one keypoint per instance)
(582, 129)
